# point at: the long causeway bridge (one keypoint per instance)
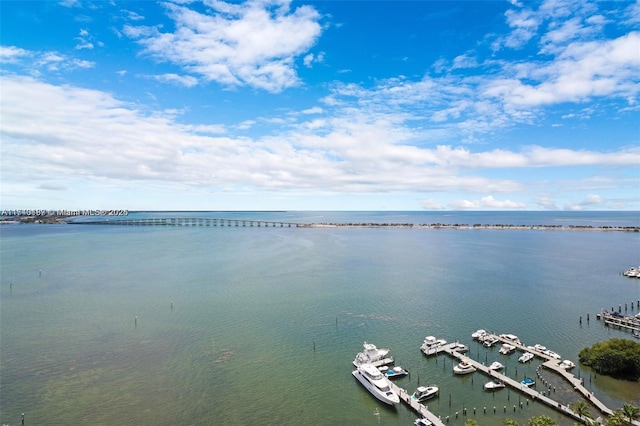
(189, 221)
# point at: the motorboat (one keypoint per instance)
(478, 334)
(459, 347)
(464, 367)
(376, 383)
(494, 385)
(370, 354)
(490, 340)
(422, 422)
(526, 357)
(552, 354)
(632, 272)
(636, 333)
(528, 382)
(511, 338)
(394, 372)
(507, 348)
(496, 366)
(431, 342)
(539, 348)
(566, 364)
(431, 345)
(424, 392)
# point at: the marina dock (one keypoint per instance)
(422, 410)
(550, 363)
(628, 322)
(532, 393)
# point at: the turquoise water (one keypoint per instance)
(191, 325)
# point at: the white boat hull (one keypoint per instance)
(388, 397)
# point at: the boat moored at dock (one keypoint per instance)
(371, 354)
(507, 348)
(425, 392)
(495, 384)
(376, 383)
(526, 357)
(567, 365)
(464, 367)
(460, 348)
(393, 373)
(496, 366)
(490, 340)
(511, 338)
(528, 382)
(479, 334)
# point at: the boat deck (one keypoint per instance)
(378, 363)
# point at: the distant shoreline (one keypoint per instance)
(125, 220)
(475, 226)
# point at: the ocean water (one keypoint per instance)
(243, 325)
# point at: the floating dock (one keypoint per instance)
(532, 393)
(551, 363)
(628, 322)
(422, 410)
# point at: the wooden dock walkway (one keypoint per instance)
(550, 363)
(577, 385)
(532, 393)
(422, 410)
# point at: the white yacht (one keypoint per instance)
(431, 345)
(526, 357)
(422, 422)
(490, 340)
(376, 383)
(496, 366)
(511, 338)
(552, 354)
(507, 348)
(567, 365)
(478, 334)
(463, 368)
(493, 385)
(370, 354)
(460, 347)
(431, 342)
(540, 348)
(424, 392)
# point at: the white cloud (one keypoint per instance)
(238, 44)
(546, 203)
(431, 204)
(581, 71)
(310, 59)
(181, 80)
(35, 61)
(313, 110)
(12, 54)
(487, 203)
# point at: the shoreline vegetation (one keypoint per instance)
(616, 357)
(64, 219)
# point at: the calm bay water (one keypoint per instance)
(228, 318)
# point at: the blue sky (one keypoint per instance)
(329, 105)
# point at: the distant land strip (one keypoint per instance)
(474, 226)
(113, 220)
